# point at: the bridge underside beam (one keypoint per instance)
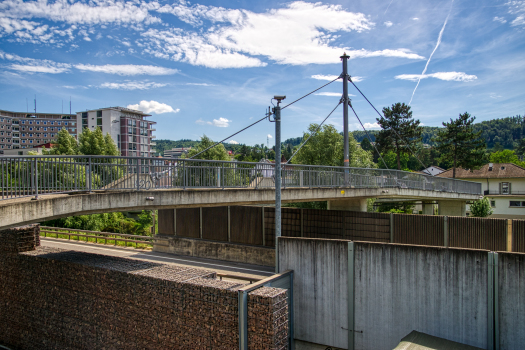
(17, 212)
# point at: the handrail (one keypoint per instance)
(22, 176)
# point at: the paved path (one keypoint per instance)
(222, 267)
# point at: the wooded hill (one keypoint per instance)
(506, 131)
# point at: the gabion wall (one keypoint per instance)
(60, 299)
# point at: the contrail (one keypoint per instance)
(391, 1)
(435, 48)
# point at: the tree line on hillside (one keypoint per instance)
(504, 133)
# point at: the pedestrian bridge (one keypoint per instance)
(38, 188)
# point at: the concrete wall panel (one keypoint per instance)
(438, 291)
(511, 314)
(320, 288)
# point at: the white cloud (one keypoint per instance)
(500, 19)
(92, 12)
(200, 84)
(127, 69)
(269, 136)
(447, 76)
(30, 65)
(517, 7)
(220, 123)
(238, 35)
(324, 77)
(37, 69)
(415, 19)
(233, 142)
(372, 126)
(388, 24)
(153, 107)
(355, 79)
(132, 85)
(336, 94)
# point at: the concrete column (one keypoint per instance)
(351, 204)
(427, 208)
(452, 208)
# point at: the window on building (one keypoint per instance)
(99, 121)
(30, 135)
(45, 123)
(99, 114)
(37, 122)
(52, 123)
(59, 123)
(23, 121)
(504, 187)
(515, 204)
(30, 141)
(30, 122)
(30, 129)
(65, 123)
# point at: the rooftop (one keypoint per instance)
(488, 171)
(122, 109)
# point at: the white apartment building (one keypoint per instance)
(502, 183)
(132, 133)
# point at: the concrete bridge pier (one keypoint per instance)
(427, 208)
(350, 204)
(452, 208)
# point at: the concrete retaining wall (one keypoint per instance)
(511, 300)
(58, 299)
(397, 289)
(216, 250)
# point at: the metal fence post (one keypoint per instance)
(243, 320)
(445, 231)
(138, 174)
(509, 235)
(88, 174)
(391, 227)
(35, 172)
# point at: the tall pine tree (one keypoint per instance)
(399, 131)
(460, 145)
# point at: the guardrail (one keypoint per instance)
(24, 176)
(97, 235)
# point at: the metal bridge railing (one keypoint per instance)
(24, 176)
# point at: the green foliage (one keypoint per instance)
(481, 208)
(390, 159)
(94, 143)
(504, 156)
(520, 149)
(216, 153)
(326, 148)
(397, 208)
(106, 222)
(366, 145)
(308, 205)
(65, 144)
(460, 145)
(399, 131)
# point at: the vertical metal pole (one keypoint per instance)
(88, 174)
(391, 227)
(175, 222)
(229, 225)
(263, 229)
(509, 235)
(243, 320)
(200, 222)
(346, 161)
(138, 175)
(277, 112)
(36, 178)
(445, 231)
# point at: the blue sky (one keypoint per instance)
(211, 67)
